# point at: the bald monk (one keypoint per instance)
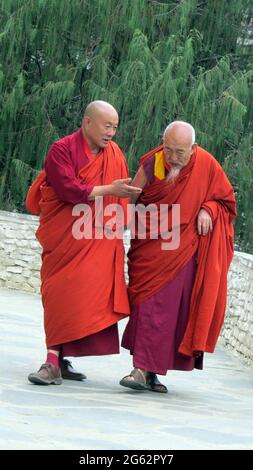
(178, 296)
(82, 280)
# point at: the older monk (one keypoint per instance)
(83, 298)
(178, 296)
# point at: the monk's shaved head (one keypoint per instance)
(96, 107)
(100, 123)
(178, 144)
(182, 131)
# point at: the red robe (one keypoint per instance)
(83, 286)
(201, 184)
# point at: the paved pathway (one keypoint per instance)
(210, 409)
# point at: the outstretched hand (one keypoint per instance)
(121, 188)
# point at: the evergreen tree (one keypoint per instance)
(155, 61)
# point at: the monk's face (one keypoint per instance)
(101, 127)
(178, 148)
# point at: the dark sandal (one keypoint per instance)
(155, 384)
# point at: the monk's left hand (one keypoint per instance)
(204, 222)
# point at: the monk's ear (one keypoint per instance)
(86, 121)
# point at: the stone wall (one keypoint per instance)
(237, 332)
(19, 252)
(20, 269)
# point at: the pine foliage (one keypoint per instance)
(156, 61)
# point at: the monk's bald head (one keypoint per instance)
(179, 143)
(97, 107)
(99, 125)
(182, 131)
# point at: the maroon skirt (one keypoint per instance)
(99, 344)
(156, 327)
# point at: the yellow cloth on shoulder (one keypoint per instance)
(159, 168)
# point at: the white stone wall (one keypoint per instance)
(20, 269)
(237, 332)
(19, 252)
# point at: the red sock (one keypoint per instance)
(53, 359)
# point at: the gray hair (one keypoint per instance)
(186, 124)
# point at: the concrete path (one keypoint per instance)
(210, 409)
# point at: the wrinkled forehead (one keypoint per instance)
(177, 138)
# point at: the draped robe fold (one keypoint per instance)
(201, 184)
(82, 280)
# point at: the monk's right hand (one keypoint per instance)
(121, 188)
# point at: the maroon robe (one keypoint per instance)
(64, 160)
(63, 163)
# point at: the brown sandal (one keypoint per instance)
(136, 380)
